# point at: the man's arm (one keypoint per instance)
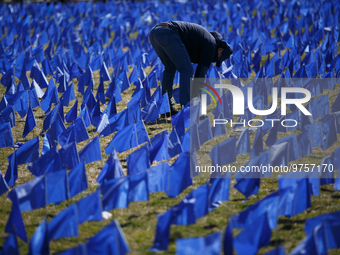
(205, 60)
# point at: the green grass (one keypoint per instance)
(139, 220)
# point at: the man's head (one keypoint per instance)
(224, 51)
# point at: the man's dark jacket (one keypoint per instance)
(200, 44)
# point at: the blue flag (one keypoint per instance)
(328, 219)
(228, 240)
(69, 156)
(80, 130)
(304, 143)
(69, 95)
(293, 152)
(253, 237)
(15, 224)
(161, 241)
(91, 151)
(179, 175)
(10, 246)
(64, 224)
(30, 122)
(336, 105)
(243, 142)
(223, 153)
(78, 250)
(219, 129)
(6, 139)
(31, 195)
(77, 179)
(90, 208)
(218, 191)
(110, 240)
(315, 243)
(138, 188)
(115, 193)
(328, 130)
(71, 115)
(150, 111)
(210, 244)
(138, 161)
(111, 169)
(158, 177)
(3, 185)
(123, 140)
(251, 214)
(258, 143)
(204, 131)
(57, 187)
(47, 163)
(315, 133)
(174, 144)
(12, 169)
(39, 243)
(159, 147)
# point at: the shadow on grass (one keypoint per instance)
(288, 224)
(210, 226)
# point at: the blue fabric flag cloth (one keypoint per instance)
(204, 131)
(194, 206)
(158, 177)
(159, 147)
(253, 237)
(112, 169)
(6, 139)
(250, 215)
(110, 239)
(28, 152)
(115, 193)
(210, 244)
(331, 222)
(77, 179)
(64, 224)
(315, 242)
(39, 243)
(90, 208)
(138, 161)
(57, 187)
(179, 175)
(223, 153)
(127, 138)
(138, 188)
(12, 170)
(15, 224)
(91, 151)
(30, 195)
(3, 185)
(10, 246)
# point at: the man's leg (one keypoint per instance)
(169, 67)
(176, 52)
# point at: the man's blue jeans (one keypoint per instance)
(174, 56)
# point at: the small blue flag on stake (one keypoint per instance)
(64, 224)
(112, 169)
(15, 224)
(90, 208)
(77, 179)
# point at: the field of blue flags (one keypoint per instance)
(88, 167)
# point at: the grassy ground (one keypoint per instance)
(139, 220)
